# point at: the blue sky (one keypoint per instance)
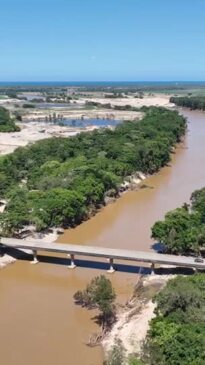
(93, 40)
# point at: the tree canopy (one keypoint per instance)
(192, 102)
(176, 335)
(183, 229)
(99, 294)
(7, 124)
(60, 180)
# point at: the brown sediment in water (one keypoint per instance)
(39, 321)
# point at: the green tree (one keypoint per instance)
(192, 102)
(176, 334)
(67, 179)
(6, 122)
(198, 203)
(181, 231)
(99, 294)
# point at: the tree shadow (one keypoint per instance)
(158, 247)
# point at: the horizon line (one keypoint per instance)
(102, 81)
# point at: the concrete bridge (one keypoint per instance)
(108, 253)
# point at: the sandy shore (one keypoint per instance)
(79, 114)
(148, 100)
(32, 132)
(132, 324)
(37, 130)
(46, 237)
(6, 260)
(131, 331)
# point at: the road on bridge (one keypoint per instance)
(110, 253)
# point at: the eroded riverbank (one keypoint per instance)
(133, 320)
(40, 322)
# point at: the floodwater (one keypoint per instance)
(59, 105)
(99, 122)
(38, 320)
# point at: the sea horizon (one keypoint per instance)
(99, 83)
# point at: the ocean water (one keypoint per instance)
(101, 83)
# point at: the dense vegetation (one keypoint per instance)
(176, 335)
(6, 122)
(57, 182)
(183, 229)
(192, 102)
(29, 106)
(126, 107)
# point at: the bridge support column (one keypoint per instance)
(1, 251)
(72, 262)
(111, 269)
(35, 259)
(152, 268)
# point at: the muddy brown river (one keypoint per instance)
(39, 323)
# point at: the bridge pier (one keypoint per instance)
(111, 270)
(152, 268)
(72, 262)
(102, 252)
(35, 258)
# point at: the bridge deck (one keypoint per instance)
(111, 253)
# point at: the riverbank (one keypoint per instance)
(32, 132)
(66, 188)
(133, 320)
(6, 260)
(109, 189)
(35, 124)
(51, 236)
(157, 100)
(43, 294)
(131, 183)
(81, 114)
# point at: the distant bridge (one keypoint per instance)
(108, 253)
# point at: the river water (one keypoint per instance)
(39, 323)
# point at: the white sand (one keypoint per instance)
(6, 260)
(132, 324)
(131, 331)
(30, 133)
(48, 237)
(82, 114)
(155, 100)
(44, 237)
(38, 130)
